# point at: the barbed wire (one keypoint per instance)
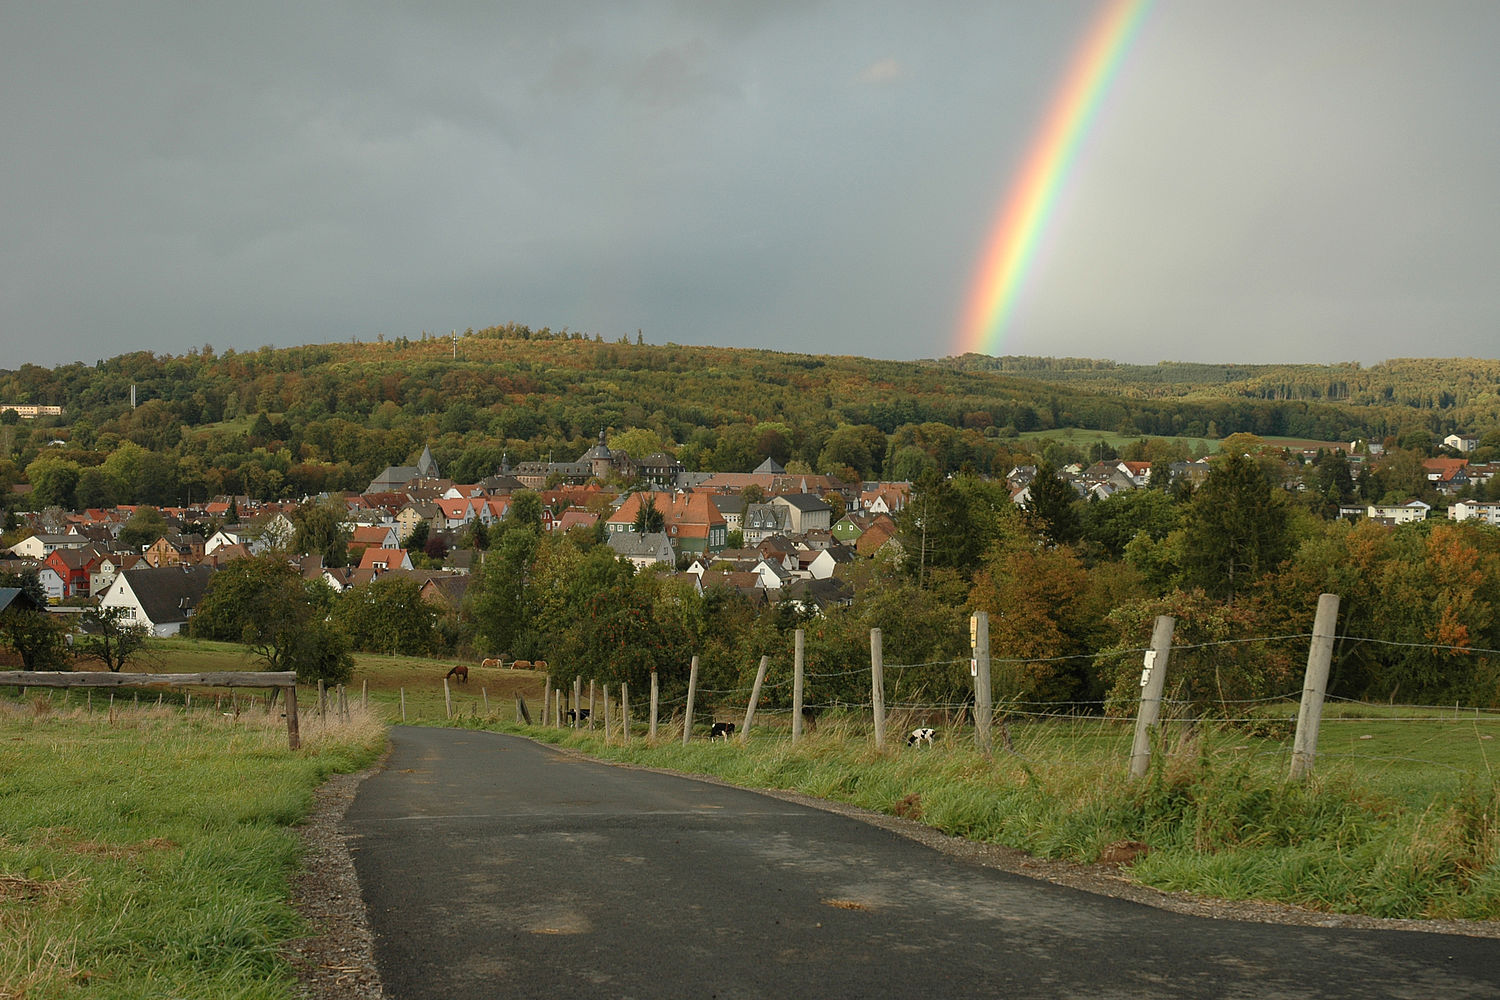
(1477, 650)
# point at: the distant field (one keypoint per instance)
(1082, 438)
(386, 679)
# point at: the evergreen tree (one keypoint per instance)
(1053, 506)
(1237, 527)
(648, 520)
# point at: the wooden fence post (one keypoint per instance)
(984, 702)
(403, 705)
(577, 700)
(364, 694)
(591, 704)
(687, 719)
(546, 703)
(877, 685)
(293, 736)
(655, 703)
(606, 714)
(624, 712)
(797, 674)
(1314, 685)
(447, 700)
(484, 695)
(1153, 682)
(322, 699)
(760, 678)
(522, 713)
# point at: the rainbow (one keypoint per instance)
(1011, 246)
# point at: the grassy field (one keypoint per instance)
(146, 852)
(383, 680)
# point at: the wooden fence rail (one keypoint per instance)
(286, 680)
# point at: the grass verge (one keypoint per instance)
(146, 852)
(1215, 816)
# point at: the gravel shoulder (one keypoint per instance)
(337, 961)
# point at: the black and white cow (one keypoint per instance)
(917, 737)
(580, 714)
(720, 730)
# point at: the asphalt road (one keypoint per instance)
(492, 866)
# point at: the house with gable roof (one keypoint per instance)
(162, 599)
(805, 511)
(643, 550)
(762, 520)
(67, 573)
(385, 560)
(1447, 475)
(40, 546)
(690, 519)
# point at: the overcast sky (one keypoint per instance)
(1266, 181)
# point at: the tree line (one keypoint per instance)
(280, 423)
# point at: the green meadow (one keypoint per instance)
(146, 851)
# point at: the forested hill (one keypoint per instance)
(1468, 389)
(305, 419)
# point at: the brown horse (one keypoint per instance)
(461, 672)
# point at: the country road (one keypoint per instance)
(492, 866)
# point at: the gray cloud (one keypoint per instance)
(1263, 182)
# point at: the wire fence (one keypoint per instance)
(1388, 736)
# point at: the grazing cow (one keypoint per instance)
(461, 671)
(720, 730)
(576, 714)
(919, 736)
(487, 662)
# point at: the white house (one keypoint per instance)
(161, 599)
(1403, 513)
(1474, 510)
(1460, 443)
(828, 561)
(39, 547)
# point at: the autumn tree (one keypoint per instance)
(1045, 613)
